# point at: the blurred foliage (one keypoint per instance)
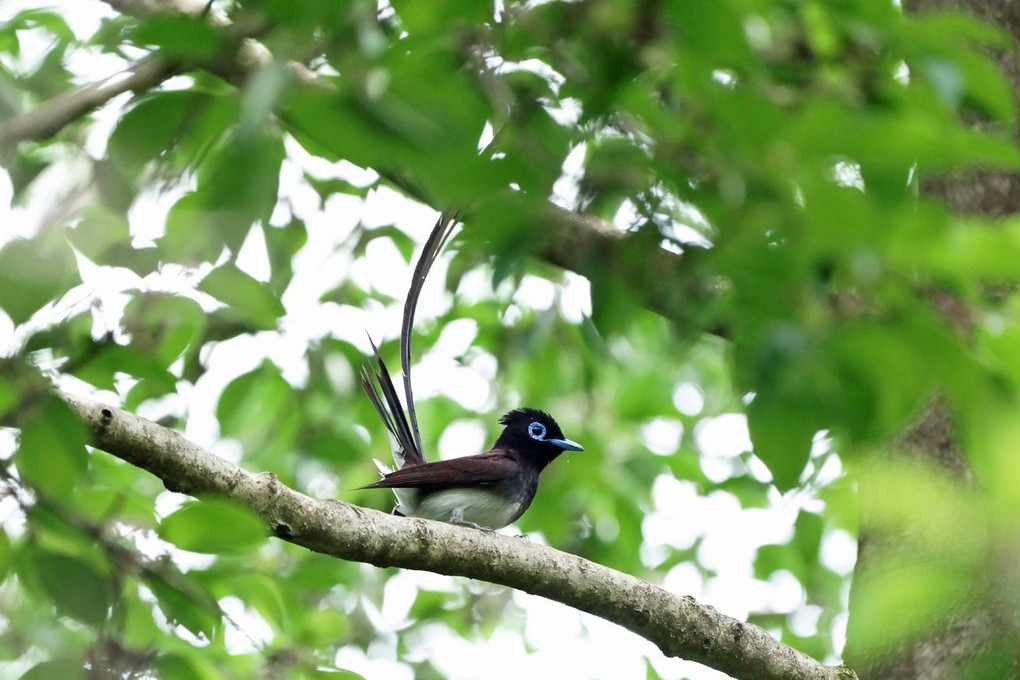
(781, 142)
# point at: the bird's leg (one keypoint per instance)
(457, 517)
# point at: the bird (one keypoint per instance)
(486, 491)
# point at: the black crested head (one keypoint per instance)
(525, 415)
(535, 433)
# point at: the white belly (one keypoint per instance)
(475, 505)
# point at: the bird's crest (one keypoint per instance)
(524, 414)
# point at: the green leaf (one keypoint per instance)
(263, 593)
(9, 41)
(185, 603)
(180, 36)
(216, 525)
(246, 298)
(164, 325)
(73, 585)
(185, 667)
(312, 115)
(6, 555)
(322, 626)
(889, 371)
(51, 451)
(243, 406)
(9, 395)
(53, 22)
(971, 249)
(150, 126)
(107, 359)
(987, 87)
(262, 94)
(179, 123)
(282, 244)
(404, 243)
(328, 674)
(398, 114)
(331, 186)
(949, 50)
(920, 597)
(33, 273)
(99, 231)
(419, 18)
(192, 231)
(952, 27)
(237, 186)
(48, 670)
(781, 432)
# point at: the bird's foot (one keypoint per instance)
(457, 517)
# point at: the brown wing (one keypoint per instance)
(485, 468)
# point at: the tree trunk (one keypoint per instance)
(978, 640)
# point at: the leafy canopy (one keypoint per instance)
(762, 160)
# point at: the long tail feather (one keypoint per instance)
(433, 245)
(381, 392)
(377, 383)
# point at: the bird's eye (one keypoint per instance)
(536, 431)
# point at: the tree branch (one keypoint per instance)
(52, 116)
(679, 626)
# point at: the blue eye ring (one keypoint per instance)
(536, 431)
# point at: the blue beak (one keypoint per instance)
(565, 444)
